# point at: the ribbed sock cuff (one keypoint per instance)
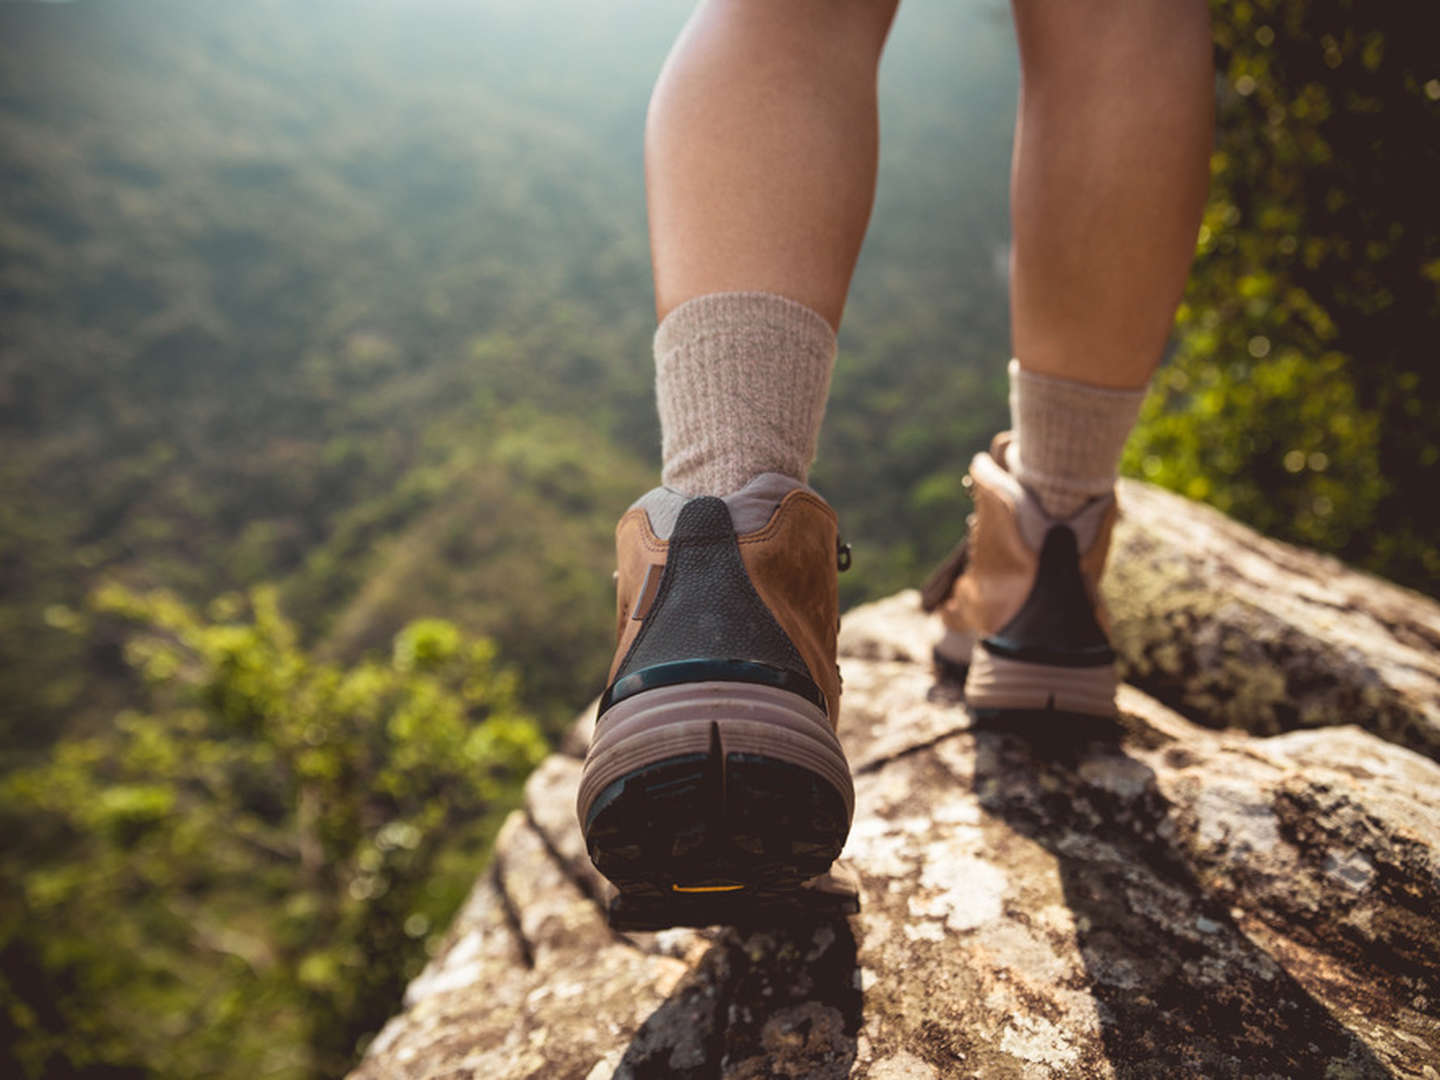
(1068, 437)
(740, 381)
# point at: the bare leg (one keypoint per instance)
(1108, 181)
(760, 150)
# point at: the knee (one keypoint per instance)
(858, 22)
(1116, 36)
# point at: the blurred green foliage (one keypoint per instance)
(234, 877)
(1302, 396)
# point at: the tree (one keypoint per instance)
(1301, 396)
(240, 878)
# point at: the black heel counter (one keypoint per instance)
(1056, 625)
(707, 621)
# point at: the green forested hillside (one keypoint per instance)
(325, 373)
(287, 291)
(275, 282)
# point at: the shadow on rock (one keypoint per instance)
(776, 1002)
(1179, 989)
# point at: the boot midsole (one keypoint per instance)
(675, 720)
(999, 682)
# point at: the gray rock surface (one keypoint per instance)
(1233, 629)
(1171, 900)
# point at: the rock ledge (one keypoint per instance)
(1185, 899)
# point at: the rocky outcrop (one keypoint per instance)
(1233, 629)
(1180, 898)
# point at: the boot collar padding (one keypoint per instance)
(750, 508)
(1030, 516)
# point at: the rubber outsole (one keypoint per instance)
(714, 837)
(832, 895)
(998, 683)
(676, 721)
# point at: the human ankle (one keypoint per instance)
(741, 382)
(1068, 437)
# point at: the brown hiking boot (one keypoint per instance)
(1025, 626)
(714, 768)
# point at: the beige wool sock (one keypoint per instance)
(1068, 437)
(740, 381)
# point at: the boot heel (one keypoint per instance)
(713, 788)
(1003, 683)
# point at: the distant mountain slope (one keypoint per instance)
(267, 270)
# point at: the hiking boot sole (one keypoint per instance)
(697, 793)
(1000, 683)
(832, 895)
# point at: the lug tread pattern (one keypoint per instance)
(715, 819)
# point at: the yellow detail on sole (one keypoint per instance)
(706, 888)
